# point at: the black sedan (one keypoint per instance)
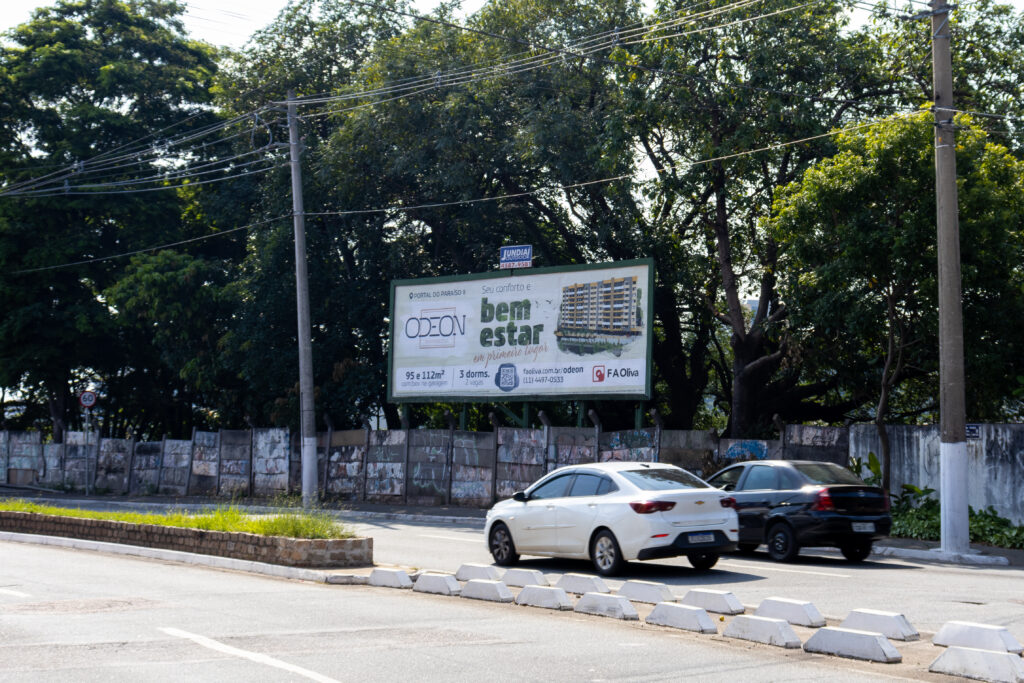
(789, 504)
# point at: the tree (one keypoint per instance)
(857, 233)
(83, 80)
(701, 98)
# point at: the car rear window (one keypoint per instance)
(827, 473)
(663, 479)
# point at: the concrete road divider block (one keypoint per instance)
(486, 589)
(979, 636)
(390, 578)
(646, 591)
(892, 625)
(983, 665)
(796, 612)
(548, 597)
(524, 577)
(684, 617)
(762, 630)
(582, 583)
(719, 602)
(848, 642)
(477, 571)
(441, 584)
(605, 605)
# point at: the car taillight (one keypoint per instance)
(728, 502)
(824, 502)
(647, 507)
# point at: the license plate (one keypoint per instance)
(864, 527)
(700, 538)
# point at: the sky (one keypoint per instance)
(231, 22)
(220, 22)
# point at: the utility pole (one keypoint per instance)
(307, 424)
(955, 533)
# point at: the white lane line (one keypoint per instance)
(453, 538)
(787, 571)
(245, 654)
(14, 593)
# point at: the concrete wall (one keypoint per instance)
(475, 468)
(995, 472)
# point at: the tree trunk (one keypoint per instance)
(58, 404)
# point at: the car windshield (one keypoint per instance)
(663, 479)
(827, 473)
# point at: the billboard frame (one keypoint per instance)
(508, 274)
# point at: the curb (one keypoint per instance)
(279, 571)
(941, 557)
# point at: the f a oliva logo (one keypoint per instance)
(435, 328)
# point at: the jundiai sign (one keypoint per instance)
(575, 332)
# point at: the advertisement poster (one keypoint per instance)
(575, 332)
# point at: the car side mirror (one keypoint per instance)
(519, 496)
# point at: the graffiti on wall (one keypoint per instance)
(521, 446)
(575, 447)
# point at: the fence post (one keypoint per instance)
(363, 465)
(658, 422)
(131, 466)
(450, 454)
(191, 457)
(160, 464)
(406, 474)
(495, 424)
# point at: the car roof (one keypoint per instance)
(783, 463)
(616, 466)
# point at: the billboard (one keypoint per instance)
(542, 333)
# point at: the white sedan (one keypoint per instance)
(614, 512)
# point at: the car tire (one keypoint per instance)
(702, 561)
(503, 549)
(857, 551)
(747, 548)
(605, 553)
(782, 543)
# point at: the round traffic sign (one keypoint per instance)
(87, 399)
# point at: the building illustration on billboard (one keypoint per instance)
(600, 316)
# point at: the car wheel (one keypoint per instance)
(605, 553)
(857, 551)
(747, 548)
(503, 550)
(782, 545)
(703, 561)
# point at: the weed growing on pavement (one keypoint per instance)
(294, 523)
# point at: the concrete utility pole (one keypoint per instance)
(955, 534)
(307, 423)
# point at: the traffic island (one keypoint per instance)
(290, 552)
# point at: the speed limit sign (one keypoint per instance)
(87, 399)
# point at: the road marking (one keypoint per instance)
(780, 569)
(13, 593)
(245, 654)
(453, 538)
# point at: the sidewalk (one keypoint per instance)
(901, 548)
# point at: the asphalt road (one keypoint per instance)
(69, 615)
(928, 594)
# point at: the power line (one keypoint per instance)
(478, 200)
(151, 249)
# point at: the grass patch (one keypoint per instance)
(293, 523)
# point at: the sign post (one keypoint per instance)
(87, 399)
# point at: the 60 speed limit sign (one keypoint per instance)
(87, 399)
